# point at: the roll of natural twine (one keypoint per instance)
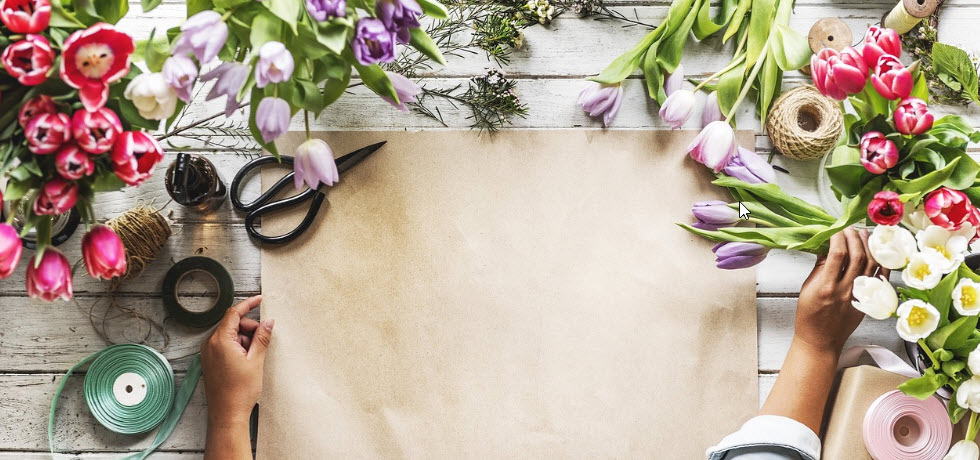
(143, 232)
(803, 124)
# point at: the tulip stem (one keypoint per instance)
(306, 119)
(925, 348)
(748, 82)
(973, 427)
(735, 62)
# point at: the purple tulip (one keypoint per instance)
(373, 43)
(735, 255)
(712, 111)
(748, 166)
(405, 89)
(674, 81)
(314, 164)
(202, 35)
(322, 10)
(678, 108)
(598, 99)
(180, 72)
(272, 118)
(275, 64)
(399, 16)
(231, 76)
(712, 215)
(715, 146)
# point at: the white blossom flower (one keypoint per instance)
(153, 97)
(950, 244)
(892, 246)
(874, 297)
(916, 220)
(925, 270)
(963, 450)
(916, 320)
(973, 362)
(966, 298)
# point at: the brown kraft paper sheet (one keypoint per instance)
(521, 296)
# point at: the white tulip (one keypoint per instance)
(917, 220)
(966, 298)
(925, 270)
(875, 297)
(152, 96)
(916, 320)
(891, 246)
(963, 450)
(973, 362)
(950, 245)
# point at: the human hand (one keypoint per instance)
(233, 359)
(824, 316)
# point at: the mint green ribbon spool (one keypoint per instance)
(129, 389)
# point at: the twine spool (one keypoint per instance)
(908, 13)
(803, 124)
(143, 232)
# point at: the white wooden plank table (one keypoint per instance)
(39, 341)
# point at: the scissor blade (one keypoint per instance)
(348, 161)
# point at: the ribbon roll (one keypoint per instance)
(908, 13)
(129, 389)
(901, 426)
(226, 291)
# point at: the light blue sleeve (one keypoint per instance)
(768, 437)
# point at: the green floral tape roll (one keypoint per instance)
(226, 291)
(129, 389)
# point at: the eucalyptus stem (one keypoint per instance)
(748, 82)
(925, 348)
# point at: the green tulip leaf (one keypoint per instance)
(954, 410)
(925, 386)
(422, 42)
(704, 27)
(624, 65)
(266, 27)
(653, 75)
(434, 9)
(729, 84)
(855, 210)
(735, 23)
(287, 10)
(375, 78)
(848, 178)
(672, 48)
(941, 297)
(792, 51)
(954, 334)
(760, 21)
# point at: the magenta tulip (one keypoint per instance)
(10, 250)
(94, 58)
(28, 60)
(25, 16)
(57, 196)
(948, 208)
(51, 278)
(34, 107)
(879, 41)
(886, 208)
(912, 116)
(134, 156)
(47, 132)
(73, 163)
(878, 153)
(891, 79)
(103, 252)
(715, 145)
(95, 132)
(837, 74)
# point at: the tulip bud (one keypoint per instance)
(103, 252)
(886, 208)
(948, 208)
(715, 145)
(47, 132)
(96, 131)
(405, 89)
(837, 74)
(747, 166)
(674, 81)
(314, 164)
(134, 156)
(34, 107)
(275, 64)
(735, 255)
(51, 278)
(912, 117)
(874, 297)
(967, 449)
(72, 163)
(10, 250)
(601, 100)
(712, 111)
(879, 41)
(891, 79)
(712, 215)
(878, 154)
(678, 108)
(57, 196)
(153, 97)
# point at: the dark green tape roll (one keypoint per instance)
(226, 291)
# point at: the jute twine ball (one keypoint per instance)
(143, 232)
(803, 124)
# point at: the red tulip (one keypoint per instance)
(57, 196)
(912, 116)
(51, 278)
(886, 208)
(104, 254)
(25, 16)
(73, 163)
(948, 208)
(95, 131)
(34, 107)
(47, 132)
(10, 250)
(135, 155)
(837, 74)
(92, 59)
(28, 60)
(891, 79)
(878, 154)
(879, 42)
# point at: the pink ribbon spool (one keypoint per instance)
(900, 426)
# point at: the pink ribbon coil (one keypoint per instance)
(900, 426)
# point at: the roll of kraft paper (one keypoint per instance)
(171, 300)
(129, 389)
(901, 426)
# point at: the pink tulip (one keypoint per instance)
(57, 196)
(948, 208)
(712, 111)
(879, 41)
(912, 116)
(678, 108)
(104, 254)
(34, 107)
(837, 74)
(314, 164)
(94, 58)
(601, 100)
(51, 278)
(886, 208)
(878, 154)
(715, 145)
(73, 163)
(47, 132)
(10, 250)
(28, 60)
(96, 131)
(891, 79)
(25, 16)
(134, 156)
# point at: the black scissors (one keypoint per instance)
(264, 203)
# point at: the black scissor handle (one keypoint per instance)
(318, 199)
(236, 184)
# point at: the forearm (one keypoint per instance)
(228, 439)
(801, 391)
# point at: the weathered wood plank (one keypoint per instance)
(97, 456)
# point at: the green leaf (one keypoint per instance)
(941, 297)
(62, 19)
(927, 182)
(856, 210)
(196, 6)
(848, 178)
(672, 47)
(434, 9)
(773, 193)
(149, 5)
(953, 335)
(333, 35)
(769, 80)
(957, 64)
(729, 84)
(921, 88)
(156, 50)
(334, 88)
(760, 21)
(705, 26)
(956, 412)
(375, 78)
(925, 386)
(653, 75)
(229, 4)
(107, 182)
(792, 51)
(626, 64)
(422, 42)
(16, 190)
(736, 21)
(950, 368)
(266, 27)
(287, 10)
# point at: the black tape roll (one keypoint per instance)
(226, 291)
